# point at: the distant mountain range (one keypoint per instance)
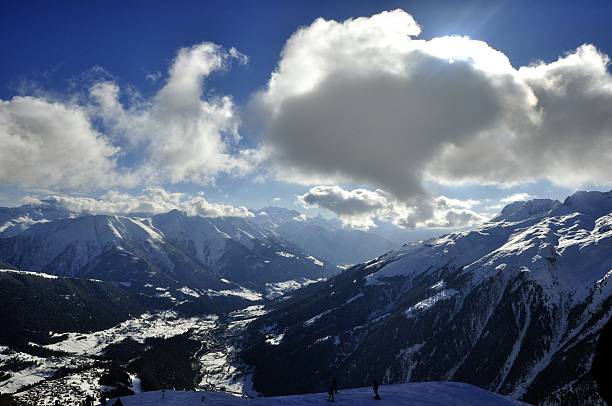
(275, 245)
(514, 306)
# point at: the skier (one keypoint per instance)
(163, 393)
(375, 388)
(335, 384)
(330, 393)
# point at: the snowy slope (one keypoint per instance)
(423, 393)
(514, 306)
(166, 250)
(112, 248)
(240, 250)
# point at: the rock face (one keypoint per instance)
(515, 306)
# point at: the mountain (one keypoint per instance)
(240, 250)
(167, 250)
(35, 304)
(423, 393)
(13, 220)
(110, 248)
(514, 306)
(324, 238)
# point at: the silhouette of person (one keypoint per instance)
(375, 388)
(335, 384)
(330, 392)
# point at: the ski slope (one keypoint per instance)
(421, 393)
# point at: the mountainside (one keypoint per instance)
(325, 239)
(423, 393)
(239, 250)
(168, 250)
(35, 304)
(111, 248)
(514, 306)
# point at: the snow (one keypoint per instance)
(420, 393)
(40, 274)
(431, 301)
(315, 260)
(240, 292)
(278, 289)
(163, 325)
(351, 300)
(189, 291)
(285, 254)
(314, 319)
(275, 339)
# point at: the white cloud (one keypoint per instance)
(153, 200)
(184, 135)
(53, 144)
(364, 101)
(516, 198)
(178, 135)
(361, 208)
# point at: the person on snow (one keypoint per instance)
(375, 388)
(330, 393)
(335, 384)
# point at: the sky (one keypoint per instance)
(416, 113)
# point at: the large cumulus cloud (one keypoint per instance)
(365, 101)
(105, 140)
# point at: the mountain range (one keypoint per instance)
(514, 306)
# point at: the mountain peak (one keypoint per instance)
(593, 202)
(523, 210)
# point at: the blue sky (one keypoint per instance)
(50, 48)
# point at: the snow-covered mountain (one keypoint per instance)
(324, 238)
(170, 249)
(13, 220)
(111, 248)
(514, 306)
(240, 250)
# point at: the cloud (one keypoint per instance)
(184, 136)
(568, 141)
(117, 138)
(153, 200)
(516, 198)
(361, 208)
(53, 144)
(364, 101)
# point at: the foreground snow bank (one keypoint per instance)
(421, 393)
